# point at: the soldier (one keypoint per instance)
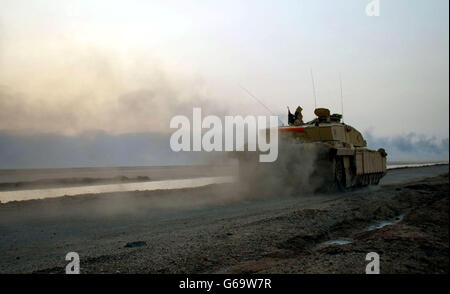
(291, 117)
(298, 116)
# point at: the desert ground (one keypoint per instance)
(213, 229)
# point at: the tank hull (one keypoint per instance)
(314, 167)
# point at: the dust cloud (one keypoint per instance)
(67, 89)
(292, 174)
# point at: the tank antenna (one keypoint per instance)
(260, 102)
(314, 90)
(342, 98)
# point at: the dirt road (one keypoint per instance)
(213, 230)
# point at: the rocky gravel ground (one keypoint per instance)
(212, 230)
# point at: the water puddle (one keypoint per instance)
(379, 225)
(383, 224)
(7, 196)
(337, 242)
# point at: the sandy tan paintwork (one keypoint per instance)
(329, 132)
(354, 164)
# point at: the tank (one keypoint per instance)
(334, 153)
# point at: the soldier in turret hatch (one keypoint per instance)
(291, 117)
(297, 118)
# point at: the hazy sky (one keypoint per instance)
(70, 67)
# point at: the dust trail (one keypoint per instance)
(292, 174)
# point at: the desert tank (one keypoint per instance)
(341, 158)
